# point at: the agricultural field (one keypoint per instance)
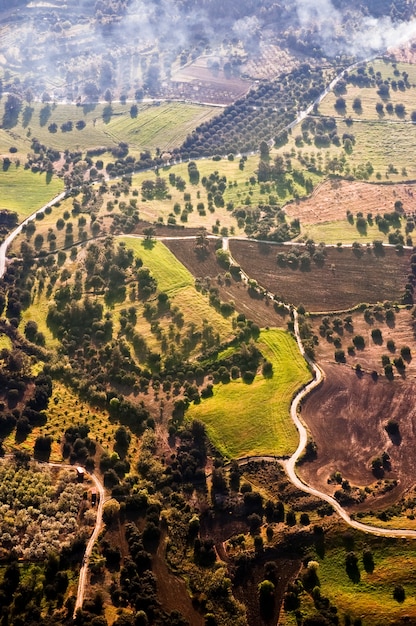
(338, 278)
(159, 126)
(147, 329)
(251, 419)
(38, 509)
(24, 192)
(208, 271)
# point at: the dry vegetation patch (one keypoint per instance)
(333, 198)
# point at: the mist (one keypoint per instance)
(123, 46)
(352, 32)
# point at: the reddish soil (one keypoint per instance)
(400, 332)
(333, 198)
(258, 309)
(347, 417)
(343, 281)
(171, 590)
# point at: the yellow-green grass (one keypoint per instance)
(254, 419)
(369, 98)
(399, 521)
(174, 279)
(164, 126)
(332, 233)
(171, 275)
(66, 409)
(48, 222)
(239, 188)
(38, 311)
(385, 67)
(380, 143)
(384, 144)
(5, 342)
(372, 597)
(24, 192)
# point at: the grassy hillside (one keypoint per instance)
(24, 192)
(161, 126)
(253, 419)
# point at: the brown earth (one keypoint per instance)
(197, 81)
(333, 198)
(400, 332)
(256, 308)
(172, 591)
(343, 281)
(347, 417)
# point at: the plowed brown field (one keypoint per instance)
(332, 199)
(341, 283)
(258, 309)
(346, 417)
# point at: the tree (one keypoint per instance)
(368, 560)
(266, 591)
(31, 330)
(43, 447)
(359, 342)
(264, 151)
(340, 105)
(357, 105)
(399, 593)
(400, 110)
(351, 566)
(111, 512)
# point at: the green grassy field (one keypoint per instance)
(174, 279)
(372, 597)
(24, 192)
(171, 275)
(161, 126)
(341, 231)
(254, 419)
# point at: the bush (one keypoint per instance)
(399, 593)
(359, 342)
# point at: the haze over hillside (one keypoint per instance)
(135, 47)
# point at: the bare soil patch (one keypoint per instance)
(400, 331)
(172, 591)
(207, 84)
(255, 307)
(343, 281)
(347, 417)
(332, 199)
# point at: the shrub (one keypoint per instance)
(359, 342)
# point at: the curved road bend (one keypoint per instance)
(290, 464)
(6, 243)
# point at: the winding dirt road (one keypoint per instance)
(82, 581)
(290, 464)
